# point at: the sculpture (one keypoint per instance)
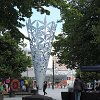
(41, 35)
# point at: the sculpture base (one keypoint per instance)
(37, 97)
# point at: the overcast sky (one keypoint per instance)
(54, 16)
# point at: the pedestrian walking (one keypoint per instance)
(44, 87)
(78, 87)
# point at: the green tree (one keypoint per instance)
(88, 76)
(13, 60)
(12, 12)
(79, 45)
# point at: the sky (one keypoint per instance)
(54, 16)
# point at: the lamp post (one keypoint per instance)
(27, 72)
(53, 75)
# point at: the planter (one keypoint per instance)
(67, 95)
(90, 96)
(84, 96)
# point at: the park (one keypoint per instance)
(71, 37)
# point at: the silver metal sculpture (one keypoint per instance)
(41, 35)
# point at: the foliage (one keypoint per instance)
(88, 76)
(13, 59)
(78, 45)
(12, 12)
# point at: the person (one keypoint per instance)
(98, 87)
(1, 88)
(78, 87)
(24, 88)
(44, 87)
(37, 88)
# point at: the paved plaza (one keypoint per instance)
(54, 93)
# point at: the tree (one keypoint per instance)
(13, 60)
(79, 45)
(88, 76)
(12, 12)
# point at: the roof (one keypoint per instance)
(90, 68)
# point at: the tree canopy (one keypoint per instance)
(12, 12)
(79, 43)
(13, 60)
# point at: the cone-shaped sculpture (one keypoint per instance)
(41, 35)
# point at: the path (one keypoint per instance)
(54, 93)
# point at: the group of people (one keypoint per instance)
(78, 87)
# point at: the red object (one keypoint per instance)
(14, 85)
(7, 81)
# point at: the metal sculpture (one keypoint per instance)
(41, 35)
